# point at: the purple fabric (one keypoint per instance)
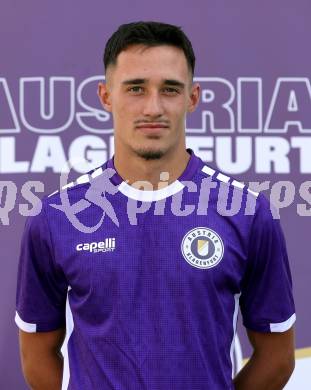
(144, 316)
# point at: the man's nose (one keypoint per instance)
(153, 105)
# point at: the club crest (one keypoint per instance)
(202, 248)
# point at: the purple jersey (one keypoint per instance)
(150, 296)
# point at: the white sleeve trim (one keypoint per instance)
(283, 326)
(25, 326)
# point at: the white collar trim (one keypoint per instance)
(150, 196)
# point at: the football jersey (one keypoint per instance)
(148, 283)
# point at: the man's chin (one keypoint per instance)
(150, 154)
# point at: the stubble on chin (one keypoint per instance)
(149, 154)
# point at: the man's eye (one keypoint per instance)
(170, 90)
(135, 89)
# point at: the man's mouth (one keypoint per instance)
(152, 127)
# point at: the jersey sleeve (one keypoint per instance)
(266, 300)
(41, 286)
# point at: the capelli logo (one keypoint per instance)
(109, 245)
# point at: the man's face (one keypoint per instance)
(149, 92)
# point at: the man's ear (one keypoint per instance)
(194, 97)
(104, 96)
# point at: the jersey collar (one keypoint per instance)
(150, 196)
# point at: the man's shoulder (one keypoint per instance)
(77, 186)
(75, 196)
(226, 181)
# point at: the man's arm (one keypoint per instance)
(271, 363)
(41, 358)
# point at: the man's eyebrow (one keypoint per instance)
(175, 83)
(171, 82)
(133, 81)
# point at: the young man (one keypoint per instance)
(153, 293)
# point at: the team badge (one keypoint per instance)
(202, 248)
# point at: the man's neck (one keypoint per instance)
(135, 169)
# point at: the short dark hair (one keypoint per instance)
(148, 34)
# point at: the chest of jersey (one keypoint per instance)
(160, 262)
